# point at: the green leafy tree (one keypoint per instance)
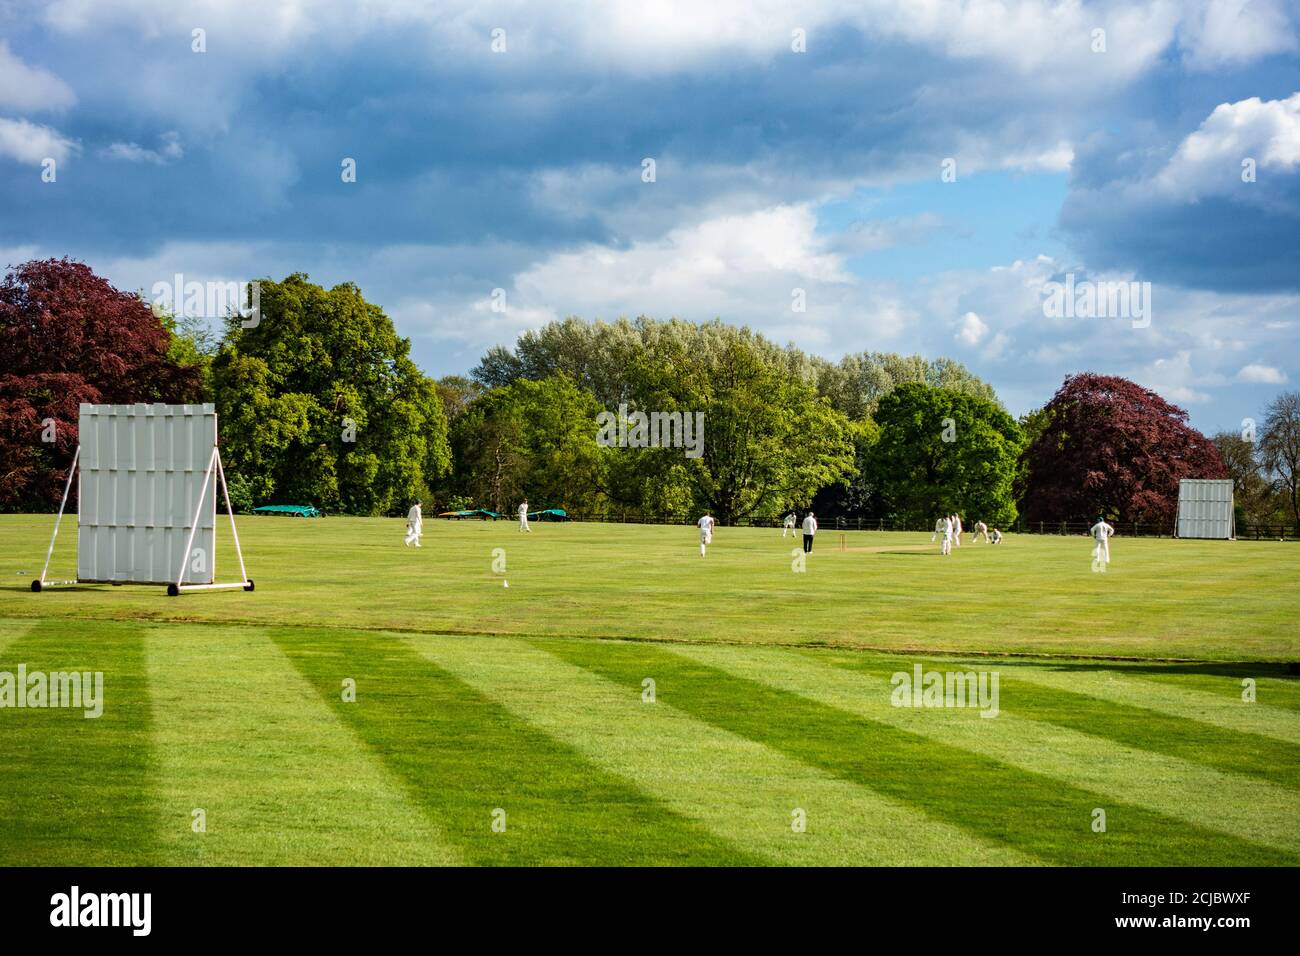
(782, 426)
(1034, 422)
(860, 494)
(241, 493)
(941, 451)
(321, 403)
(856, 384)
(192, 344)
(456, 392)
(594, 355)
(768, 438)
(534, 440)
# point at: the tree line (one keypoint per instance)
(320, 403)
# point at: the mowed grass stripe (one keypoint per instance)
(11, 630)
(1030, 811)
(464, 756)
(282, 780)
(1214, 806)
(1274, 688)
(1224, 709)
(76, 791)
(1260, 738)
(1146, 730)
(742, 790)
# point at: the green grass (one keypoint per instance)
(1222, 601)
(772, 702)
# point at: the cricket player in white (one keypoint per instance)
(956, 530)
(809, 529)
(1101, 533)
(414, 525)
(523, 517)
(980, 529)
(938, 529)
(705, 525)
(946, 531)
(996, 538)
(788, 525)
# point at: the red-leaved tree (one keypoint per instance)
(1113, 448)
(67, 337)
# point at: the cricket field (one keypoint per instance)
(624, 701)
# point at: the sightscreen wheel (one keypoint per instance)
(249, 585)
(36, 586)
(173, 590)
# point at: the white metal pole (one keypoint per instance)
(198, 511)
(62, 504)
(221, 473)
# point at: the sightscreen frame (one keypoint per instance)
(1205, 509)
(141, 472)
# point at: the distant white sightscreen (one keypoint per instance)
(142, 469)
(1205, 508)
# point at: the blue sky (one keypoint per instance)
(1111, 156)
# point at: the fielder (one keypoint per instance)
(705, 525)
(946, 531)
(414, 525)
(788, 525)
(523, 517)
(956, 530)
(809, 529)
(980, 529)
(996, 538)
(1101, 533)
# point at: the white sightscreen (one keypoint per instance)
(141, 472)
(1205, 508)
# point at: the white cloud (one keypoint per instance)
(1177, 379)
(719, 266)
(1048, 39)
(751, 267)
(971, 329)
(29, 89)
(1053, 159)
(1209, 160)
(170, 151)
(872, 235)
(1191, 352)
(31, 143)
(1257, 374)
(1225, 33)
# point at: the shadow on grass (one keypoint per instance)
(1289, 671)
